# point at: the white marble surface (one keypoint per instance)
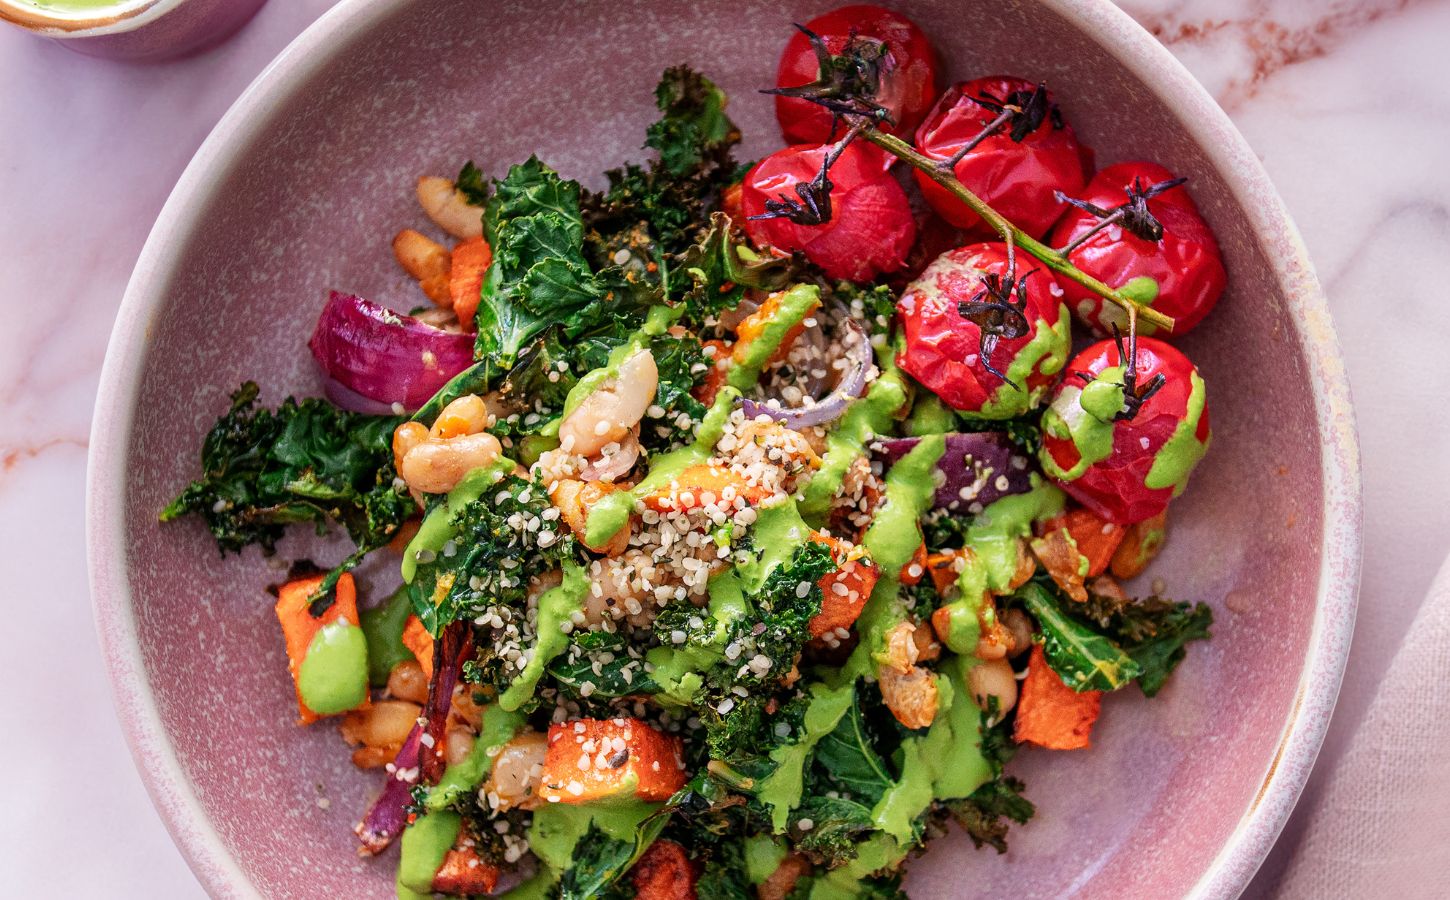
(1345, 101)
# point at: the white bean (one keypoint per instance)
(610, 412)
(448, 208)
(517, 770)
(436, 466)
(993, 679)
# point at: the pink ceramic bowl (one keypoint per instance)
(299, 189)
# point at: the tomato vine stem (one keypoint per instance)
(1011, 234)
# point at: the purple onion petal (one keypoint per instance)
(448, 653)
(383, 356)
(388, 815)
(833, 405)
(978, 467)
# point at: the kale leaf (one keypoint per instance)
(671, 196)
(492, 554)
(837, 825)
(986, 814)
(470, 182)
(305, 461)
(721, 267)
(1153, 631)
(848, 760)
(601, 658)
(1085, 659)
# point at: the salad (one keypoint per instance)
(750, 515)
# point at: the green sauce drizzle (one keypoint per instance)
(555, 607)
(794, 305)
(1047, 353)
(613, 511)
(1176, 459)
(497, 728)
(383, 627)
(333, 677)
(425, 843)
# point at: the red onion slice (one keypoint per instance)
(976, 469)
(388, 815)
(831, 407)
(385, 357)
(614, 466)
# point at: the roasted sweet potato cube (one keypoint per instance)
(602, 759)
(1096, 539)
(664, 872)
(464, 873)
(417, 639)
(856, 576)
(1049, 713)
(299, 626)
(702, 485)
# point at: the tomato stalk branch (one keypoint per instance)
(1013, 236)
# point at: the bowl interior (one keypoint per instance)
(309, 201)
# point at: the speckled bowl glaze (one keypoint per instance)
(139, 31)
(301, 186)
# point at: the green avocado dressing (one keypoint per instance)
(781, 790)
(865, 418)
(1176, 459)
(557, 827)
(497, 728)
(333, 677)
(555, 607)
(438, 528)
(1085, 417)
(425, 843)
(383, 627)
(891, 541)
(1046, 353)
(677, 669)
(878, 852)
(612, 512)
(929, 415)
(778, 531)
(763, 855)
(793, 305)
(944, 764)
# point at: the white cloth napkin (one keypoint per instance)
(1377, 824)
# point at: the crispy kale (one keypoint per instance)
(491, 556)
(672, 195)
(737, 691)
(721, 267)
(1084, 658)
(601, 658)
(303, 462)
(539, 279)
(471, 183)
(1153, 631)
(306, 461)
(986, 815)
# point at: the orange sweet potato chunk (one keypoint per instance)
(465, 874)
(1097, 539)
(417, 639)
(299, 626)
(701, 485)
(857, 576)
(588, 760)
(1049, 713)
(471, 259)
(664, 872)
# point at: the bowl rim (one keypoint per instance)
(1133, 47)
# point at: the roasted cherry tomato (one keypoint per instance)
(944, 348)
(1125, 451)
(1184, 262)
(870, 229)
(908, 72)
(1017, 166)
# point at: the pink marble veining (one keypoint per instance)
(1313, 120)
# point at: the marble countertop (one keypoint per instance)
(1339, 98)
